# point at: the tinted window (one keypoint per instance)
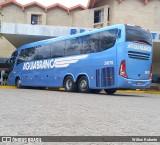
(86, 44)
(33, 53)
(108, 39)
(90, 43)
(14, 54)
(10, 62)
(22, 57)
(94, 43)
(57, 49)
(73, 46)
(44, 52)
(138, 34)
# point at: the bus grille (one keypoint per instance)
(105, 77)
(138, 55)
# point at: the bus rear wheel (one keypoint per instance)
(18, 82)
(69, 84)
(110, 91)
(83, 85)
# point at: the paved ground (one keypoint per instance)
(39, 112)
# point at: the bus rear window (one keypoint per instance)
(137, 34)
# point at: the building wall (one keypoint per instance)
(11, 13)
(135, 12)
(82, 19)
(2, 1)
(108, 6)
(87, 17)
(34, 10)
(58, 17)
(156, 16)
(131, 12)
(72, 17)
(6, 48)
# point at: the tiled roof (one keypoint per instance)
(9, 2)
(91, 3)
(46, 8)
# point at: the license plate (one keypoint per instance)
(138, 83)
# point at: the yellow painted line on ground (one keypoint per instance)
(8, 87)
(124, 91)
(55, 89)
(153, 92)
(140, 91)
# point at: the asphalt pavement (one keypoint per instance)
(33, 112)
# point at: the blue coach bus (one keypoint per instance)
(110, 58)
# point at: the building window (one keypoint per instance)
(108, 15)
(98, 16)
(36, 19)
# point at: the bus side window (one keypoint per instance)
(108, 39)
(86, 44)
(22, 57)
(73, 46)
(57, 49)
(44, 52)
(94, 43)
(90, 44)
(33, 53)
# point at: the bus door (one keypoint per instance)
(26, 75)
(11, 61)
(26, 67)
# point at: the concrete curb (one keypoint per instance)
(62, 89)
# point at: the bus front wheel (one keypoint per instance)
(110, 91)
(70, 85)
(18, 82)
(83, 85)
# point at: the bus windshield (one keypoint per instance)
(10, 62)
(137, 34)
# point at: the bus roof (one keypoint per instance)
(61, 38)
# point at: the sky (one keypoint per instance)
(67, 3)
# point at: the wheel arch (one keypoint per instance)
(81, 75)
(67, 75)
(17, 77)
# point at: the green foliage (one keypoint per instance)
(5, 76)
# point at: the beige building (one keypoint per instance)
(34, 14)
(99, 13)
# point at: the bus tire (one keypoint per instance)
(69, 84)
(95, 91)
(18, 83)
(110, 91)
(83, 85)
